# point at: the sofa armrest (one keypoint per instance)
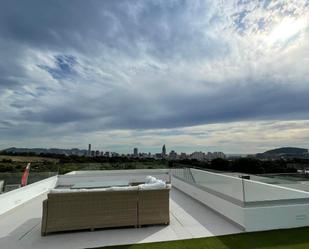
(153, 206)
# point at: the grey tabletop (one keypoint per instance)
(100, 184)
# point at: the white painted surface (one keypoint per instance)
(224, 207)
(275, 217)
(189, 219)
(13, 220)
(110, 175)
(19, 196)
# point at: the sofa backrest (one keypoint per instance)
(90, 201)
(81, 210)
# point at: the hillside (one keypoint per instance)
(284, 152)
(287, 151)
(38, 151)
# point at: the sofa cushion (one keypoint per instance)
(150, 179)
(156, 185)
(68, 190)
(129, 188)
(60, 191)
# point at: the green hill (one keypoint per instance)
(287, 151)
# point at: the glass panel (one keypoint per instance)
(225, 185)
(258, 191)
(221, 185)
(243, 190)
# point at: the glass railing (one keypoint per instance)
(11, 181)
(218, 184)
(184, 174)
(259, 192)
(237, 189)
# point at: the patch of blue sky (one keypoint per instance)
(64, 66)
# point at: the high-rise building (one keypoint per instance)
(163, 151)
(89, 150)
(172, 155)
(183, 156)
(135, 152)
(114, 154)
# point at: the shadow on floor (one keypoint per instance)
(25, 229)
(209, 219)
(28, 235)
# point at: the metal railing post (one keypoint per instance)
(243, 190)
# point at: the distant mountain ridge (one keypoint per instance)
(284, 152)
(37, 151)
(287, 150)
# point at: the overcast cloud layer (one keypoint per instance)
(119, 74)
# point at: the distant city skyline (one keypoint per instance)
(135, 151)
(224, 75)
(172, 155)
(275, 153)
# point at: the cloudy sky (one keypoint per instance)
(228, 75)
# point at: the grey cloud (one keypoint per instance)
(133, 65)
(133, 111)
(80, 26)
(63, 114)
(12, 71)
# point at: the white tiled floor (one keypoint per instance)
(189, 219)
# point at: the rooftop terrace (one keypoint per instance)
(240, 205)
(20, 228)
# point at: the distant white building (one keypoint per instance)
(114, 154)
(214, 155)
(198, 155)
(183, 156)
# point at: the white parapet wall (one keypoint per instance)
(231, 211)
(263, 206)
(276, 217)
(19, 196)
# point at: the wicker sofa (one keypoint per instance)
(76, 210)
